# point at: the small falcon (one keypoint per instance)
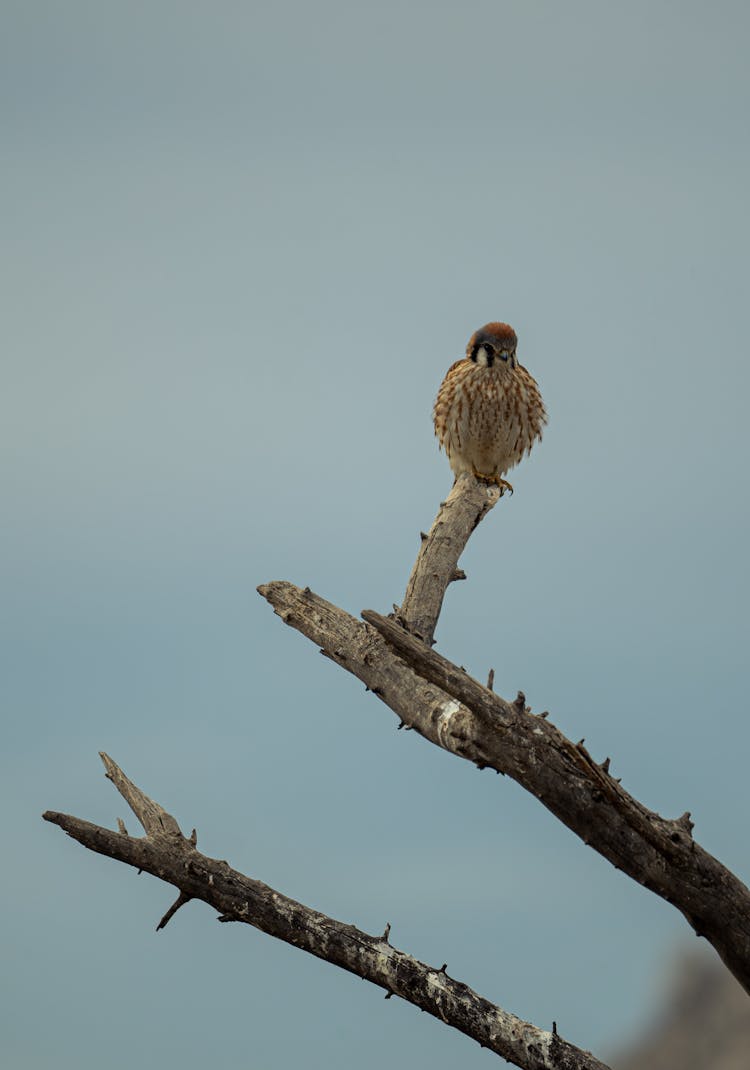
(488, 411)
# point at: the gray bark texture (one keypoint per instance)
(167, 854)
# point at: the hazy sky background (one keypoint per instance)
(241, 245)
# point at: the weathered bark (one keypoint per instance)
(659, 853)
(436, 566)
(172, 857)
(448, 707)
(393, 659)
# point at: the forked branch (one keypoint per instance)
(393, 659)
(172, 857)
(428, 693)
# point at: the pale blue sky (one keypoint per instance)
(241, 245)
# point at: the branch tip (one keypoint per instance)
(180, 901)
(685, 823)
(109, 765)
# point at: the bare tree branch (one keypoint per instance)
(448, 707)
(660, 854)
(172, 857)
(442, 702)
(436, 566)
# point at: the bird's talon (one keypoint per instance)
(503, 484)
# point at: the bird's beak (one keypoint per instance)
(504, 354)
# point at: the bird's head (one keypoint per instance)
(493, 343)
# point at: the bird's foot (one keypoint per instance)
(503, 484)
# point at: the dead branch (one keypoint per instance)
(659, 853)
(167, 854)
(436, 566)
(448, 707)
(444, 704)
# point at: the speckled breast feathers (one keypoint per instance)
(489, 411)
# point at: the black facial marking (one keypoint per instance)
(489, 350)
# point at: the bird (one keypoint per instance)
(489, 410)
